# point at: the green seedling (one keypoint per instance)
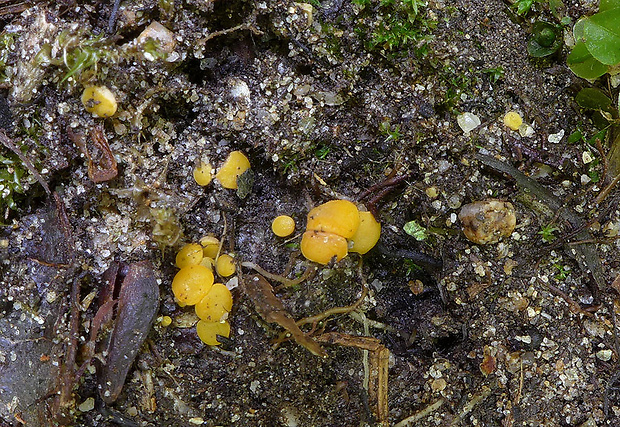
(416, 231)
(546, 39)
(547, 232)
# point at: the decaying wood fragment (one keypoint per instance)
(378, 366)
(271, 309)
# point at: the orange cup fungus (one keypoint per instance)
(283, 226)
(337, 227)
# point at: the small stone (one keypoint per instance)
(487, 221)
(438, 384)
(586, 157)
(468, 122)
(87, 405)
(526, 130)
(604, 355)
(555, 138)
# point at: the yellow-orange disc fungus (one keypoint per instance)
(367, 234)
(225, 265)
(190, 254)
(321, 247)
(215, 304)
(99, 100)
(211, 245)
(233, 167)
(202, 174)
(283, 226)
(207, 331)
(192, 283)
(340, 217)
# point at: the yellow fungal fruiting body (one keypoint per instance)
(225, 265)
(211, 246)
(233, 167)
(192, 283)
(207, 331)
(217, 303)
(367, 234)
(202, 174)
(513, 120)
(339, 217)
(321, 247)
(190, 254)
(99, 100)
(283, 226)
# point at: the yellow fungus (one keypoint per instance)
(321, 247)
(283, 226)
(165, 321)
(211, 245)
(225, 265)
(208, 262)
(513, 120)
(99, 100)
(192, 283)
(367, 234)
(202, 174)
(233, 167)
(340, 217)
(190, 254)
(207, 331)
(215, 304)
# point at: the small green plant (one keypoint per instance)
(563, 271)
(597, 42)
(322, 152)
(547, 232)
(391, 132)
(12, 176)
(495, 73)
(546, 39)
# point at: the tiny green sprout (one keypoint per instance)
(322, 152)
(415, 230)
(523, 6)
(563, 271)
(545, 40)
(411, 267)
(547, 232)
(495, 73)
(392, 133)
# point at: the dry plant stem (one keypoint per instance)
(478, 398)
(423, 413)
(310, 270)
(601, 152)
(378, 369)
(605, 191)
(574, 306)
(339, 310)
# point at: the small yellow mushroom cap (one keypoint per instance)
(208, 262)
(513, 120)
(233, 167)
(207, 331)
(190, 254)
(192, 283)
(321, 247)
(215, 304)
(283, 226)
(165, 321)
(367, 234)
(202, 174)
(340, 217)
(225, 265)
(99, 100)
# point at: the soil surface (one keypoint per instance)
(328, 100)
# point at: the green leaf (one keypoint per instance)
(545, 40)
(593, 99)
(605, 5)
(602, 36)
(415, 230)
(578, 30)
(583, 64)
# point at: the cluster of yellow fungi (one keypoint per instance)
(234, 166)
(336, 228)
(194, 285)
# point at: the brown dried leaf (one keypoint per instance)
(138, 303)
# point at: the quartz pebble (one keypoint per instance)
(468, 122)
